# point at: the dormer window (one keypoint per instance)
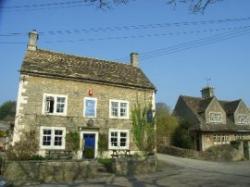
(242, 119)
(215, 117)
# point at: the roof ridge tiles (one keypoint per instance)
(83, 57)
(55, 64)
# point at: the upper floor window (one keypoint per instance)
(90, 107)
(215, 117)
(118, 139)
(242, 119)
(118, 109)
(54, 104)
(52, 137)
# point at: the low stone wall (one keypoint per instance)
(134, 166)
(22, 172)
(216, 153)
(176, 151)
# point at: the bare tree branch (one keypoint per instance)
(195, 5)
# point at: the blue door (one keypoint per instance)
(89, 146)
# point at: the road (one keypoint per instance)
(176, 171)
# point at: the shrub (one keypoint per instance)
(25, 149)
(102, 143)
(89, 153)
(220, 152)
(107, 162)
(72, 141)
(37, 157)
(235, 144)
(3, 133)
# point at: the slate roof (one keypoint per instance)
(54, 64)
(198, 106)
(230, 106)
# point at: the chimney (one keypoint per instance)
(207, 92)
(32, 43)
(134, 59)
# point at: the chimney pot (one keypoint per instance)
(32, 43)
(134, 59)
(207, 92)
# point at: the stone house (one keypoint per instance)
(60, 93)
(212, 121)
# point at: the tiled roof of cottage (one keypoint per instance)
(198, 106)
(48, 63)
(230, 106)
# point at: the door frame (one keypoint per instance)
(96, 140)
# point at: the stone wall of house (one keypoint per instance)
(32, 90)
(242, 109)
(32, 172)
(215, 106)
(208, 138)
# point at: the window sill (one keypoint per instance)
(90, 117)
(111, 117)
(52, 148)
(118, 148)
(54, 114)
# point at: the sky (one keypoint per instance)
(179, 51)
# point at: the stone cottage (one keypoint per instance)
(60, 93)
(212, 121)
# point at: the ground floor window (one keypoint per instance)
(52, 137)
(118, 139)
(221, 139)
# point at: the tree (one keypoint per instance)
(182, 137)
(8, 111)
(166, 124)
(195, 5)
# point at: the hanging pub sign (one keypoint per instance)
(150, 116)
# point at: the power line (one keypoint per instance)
(188, 45)
(128, 27)
(150, 35)
(42, 5)
(194, 44)
(138, 36)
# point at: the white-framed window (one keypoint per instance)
(215, 117)
(54, 104)
(52, 137)
(219, 139)
(242, 119)
(89, 107)
(118, 139)
(239, 137)
(118, 109)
